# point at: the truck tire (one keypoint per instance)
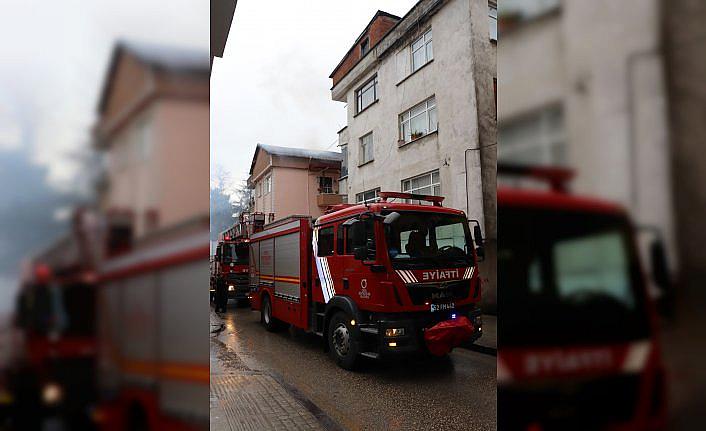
(270, 323)
(343, 341)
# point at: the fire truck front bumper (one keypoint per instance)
(390, 335)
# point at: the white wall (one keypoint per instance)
(450, 79)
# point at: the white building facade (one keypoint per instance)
(412, 110)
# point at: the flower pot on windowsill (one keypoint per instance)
(417, 135)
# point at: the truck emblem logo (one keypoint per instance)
(444, 274)
(363, 293)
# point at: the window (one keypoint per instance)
(367, 195)
(325, 185)
(366, 148)
(340, 239)
(422, 51)
(419, 121)
(529, 9)
(259, 188)
(362, 234)
(344, 162)
(144, 139)
(268, 184)
(367, 94)
(535, 139)
(425, 184)
(493, 21)
(364, 46)
(325, 242)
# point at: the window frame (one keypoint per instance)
(425, 42)
(363, 89)
(364, 43)
(268, 185)
(432, 184)
(545, 138)
(375, 192)
(322, 190)
(361, 147)
(406, 117)
(493, 22)
(344, 161)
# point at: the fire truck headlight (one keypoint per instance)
(231, 288)
(52, 394)
(394, 332)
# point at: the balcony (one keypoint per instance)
(328, 199)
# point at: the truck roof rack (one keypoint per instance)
(556, 177)
(436, 200)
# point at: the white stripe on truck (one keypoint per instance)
(322, 269)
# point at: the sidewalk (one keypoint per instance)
(242, 399)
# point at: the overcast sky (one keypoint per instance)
(272, 85)
(53, 57)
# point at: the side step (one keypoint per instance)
(371, 355)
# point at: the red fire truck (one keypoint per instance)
(578, 344)
(374, 279)
(53, 379)
(229, 264)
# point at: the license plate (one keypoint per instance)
(442, 307)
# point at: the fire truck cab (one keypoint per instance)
(374, 279)
(578, 345)
(229, 264)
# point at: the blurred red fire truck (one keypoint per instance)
(229, 265)
(374, 279)
(153, 370)
(52, 378)
(578, 344)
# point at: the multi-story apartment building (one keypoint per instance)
(421, 109)
(153, 132)
(287, 181)
(582, 85)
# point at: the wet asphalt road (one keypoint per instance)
(455, 393)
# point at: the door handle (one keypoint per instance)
(345, 282)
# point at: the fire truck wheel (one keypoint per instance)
(269, 322)
(342, 341)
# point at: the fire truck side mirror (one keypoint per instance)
(477, 236)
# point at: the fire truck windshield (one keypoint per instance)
(568, 278)
(235, 253)
(424, 239)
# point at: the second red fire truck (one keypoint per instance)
(374, 279)
(229, 264)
